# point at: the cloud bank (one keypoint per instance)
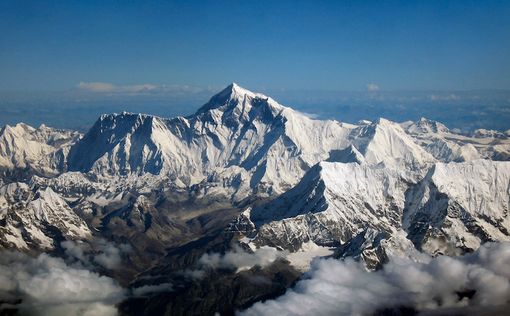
(49, 286)
(103, 253)
(240, 259)
(334, 287)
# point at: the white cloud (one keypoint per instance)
(102, 87)
(97, 86)
(147, 289)
(99, 252)
(75, 250)
(334, 287)
(109, 257)
(145, 88)
(242, 260)
(48, 286)
(372, 87)
(193, 274)
(447, 97)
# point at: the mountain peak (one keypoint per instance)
(424, 125)
(233, 91)
(236, 89)
(18, 129)
(234, 95)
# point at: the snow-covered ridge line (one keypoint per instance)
(244, 135)
(42, 150)
(372, 211)
(253, 133)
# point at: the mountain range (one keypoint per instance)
(242, 175)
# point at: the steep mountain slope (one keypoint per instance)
(37, 220)
(459, 206)
(42, 150)
(332, 204)
(386, 142)
(455, 208)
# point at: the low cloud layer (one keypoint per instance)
(103, 253)
(150, 289)
(334, 287)
(241, 259)
(49, 286)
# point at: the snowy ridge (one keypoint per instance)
(332, 204)
(36, 220)
(447, 146)
(458, 206)
(41, 149)
(371, 212)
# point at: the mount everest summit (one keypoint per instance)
(249, 173)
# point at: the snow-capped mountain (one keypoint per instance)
(37, 220)
(331, 205)
(455, 208)
(328, 183)
(249, 142)
(447, 146)
(459, 206)
(165, 201)
(236, 132)
(245, 141)
(42, 150)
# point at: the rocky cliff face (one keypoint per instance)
(459, 206)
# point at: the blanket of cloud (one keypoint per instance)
(438, 286)
(49, 286)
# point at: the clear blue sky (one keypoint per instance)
(333, 45)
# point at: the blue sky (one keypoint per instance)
(328, 45)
